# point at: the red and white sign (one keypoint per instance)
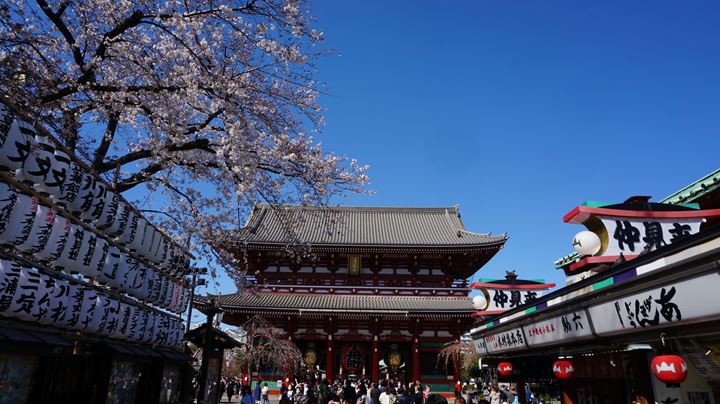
(669, 369)
(563, 369)
(505, 368)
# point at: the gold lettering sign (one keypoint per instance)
(354, 264)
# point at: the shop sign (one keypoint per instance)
(480, 346)
(672, 303)
(505, 341)
(571, 325)
(630, 235)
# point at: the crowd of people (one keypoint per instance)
(359, 392)
(497, 394)
(367, 392)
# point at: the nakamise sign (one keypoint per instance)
(675, 302)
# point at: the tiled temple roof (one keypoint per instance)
(362, 226)
(349, 303)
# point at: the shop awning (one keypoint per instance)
(14, 334)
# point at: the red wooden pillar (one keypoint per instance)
(330, 359)
(375, 360)
(457, 375)
(456, 361)
(415, 359)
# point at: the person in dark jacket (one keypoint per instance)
(418, 395)
(375, 393)
(349, 394)
(246, 396)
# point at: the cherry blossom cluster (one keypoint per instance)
(210, 105)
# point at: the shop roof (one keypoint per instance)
(687, 195)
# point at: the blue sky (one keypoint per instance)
(519, 111)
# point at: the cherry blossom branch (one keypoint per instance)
(107, 139)
(56, 19)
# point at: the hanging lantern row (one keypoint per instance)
(29, 295)
(669, 369)
(33, 159)
(53, 239)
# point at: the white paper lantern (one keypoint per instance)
(59, 235)
(586, 243)
(169, 257)
(54, 303)
(97, 206)
(185, 300)
(85, 198)
(140, 285)
(9, 280)
(128, 234)
(19, 224)
(137, 241)
(163, 251)
(176, 297)
(8, 198)
(113, 321)
(111, 270)
(87, 312)
(158, 250)
(6, 120)
(83, 262)
(130, 273)
(76, 297)
(60, 175)
(37, 166)
(124, 318)
(150, 327)
(120, 220)
(161, 330)
(110, 210)
(148, 241)
(167, 302)
(480, 302)
(102, 312)
(16, 148)
(71, 197)
(75, 245)
(162, 298)
(40, 231)
(30, 289)
(140, 325)
(97, 261)
(155, 287)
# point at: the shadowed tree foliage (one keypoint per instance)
(268, 346)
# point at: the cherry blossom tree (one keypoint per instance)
(458, 352)
(208, 104)
(267, 345)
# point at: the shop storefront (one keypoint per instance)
(598, 335)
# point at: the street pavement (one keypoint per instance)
(236, 399)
